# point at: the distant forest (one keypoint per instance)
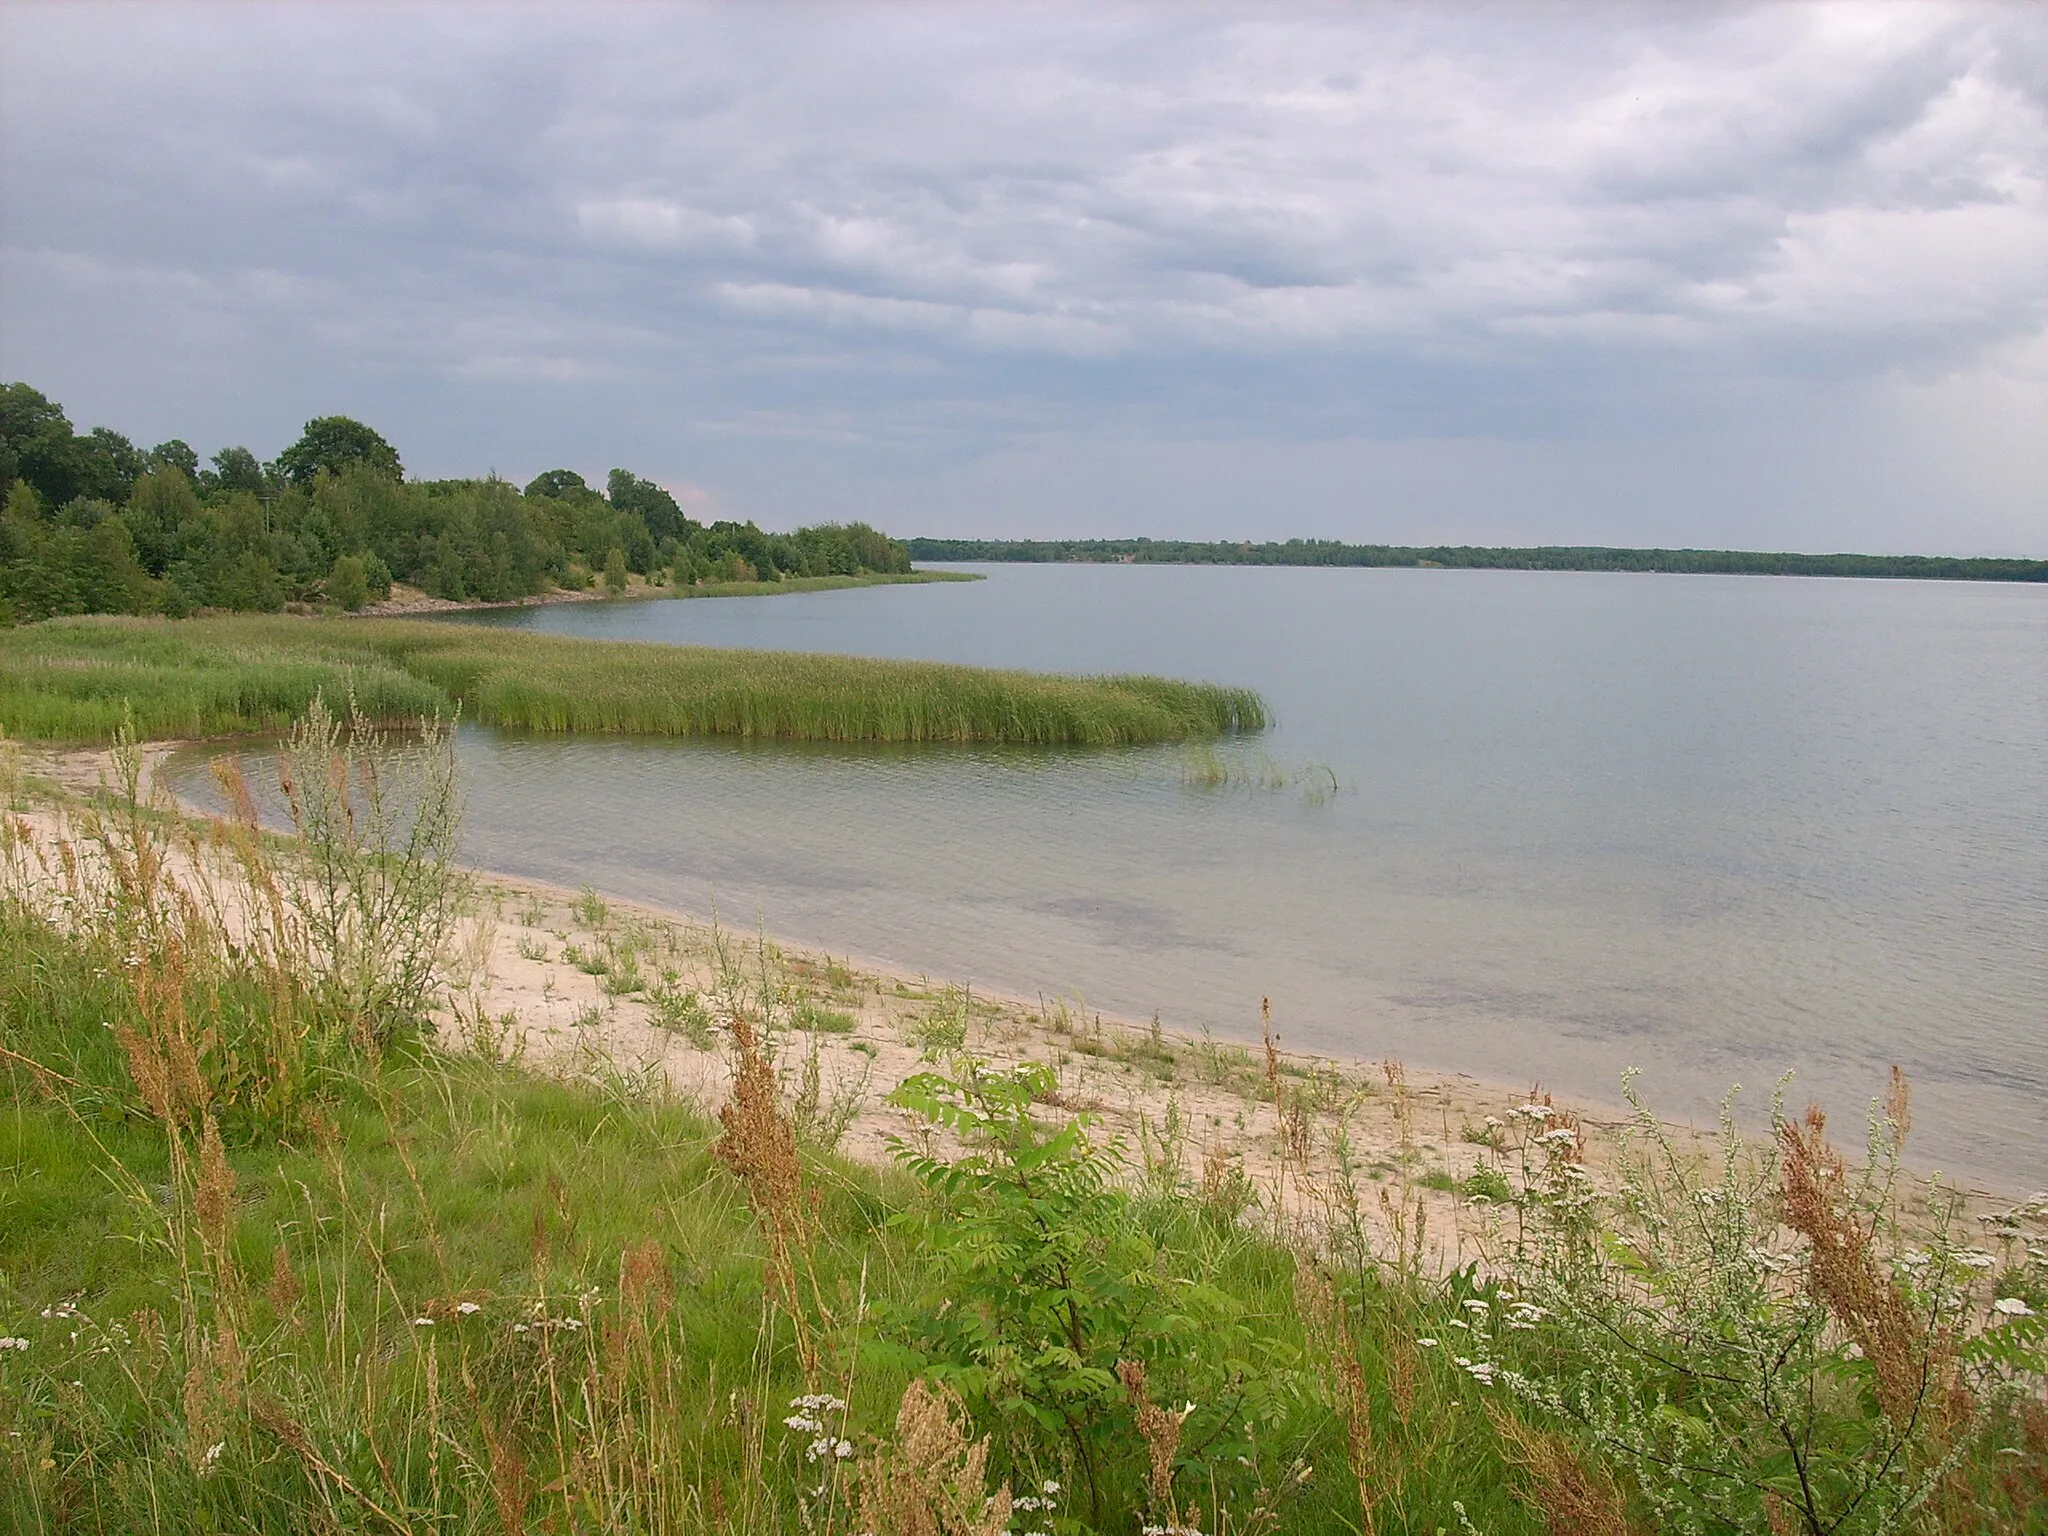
(93, 524)
(1736, 562)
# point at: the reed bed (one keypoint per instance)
(77, 679)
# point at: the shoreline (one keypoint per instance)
(412, 602)
(583, 983)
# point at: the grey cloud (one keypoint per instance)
(940, 232)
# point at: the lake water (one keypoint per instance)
(1717, 828)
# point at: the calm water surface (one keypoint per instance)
(1717, 828)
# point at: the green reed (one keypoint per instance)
(76, 679)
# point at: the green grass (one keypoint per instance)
(76, 679)
(436, 1183)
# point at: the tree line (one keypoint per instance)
(93, 524)
(1736, 562)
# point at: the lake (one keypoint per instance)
(1716, 828)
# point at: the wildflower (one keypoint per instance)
(466, 1308)
(2011, 1306)
(423, 1322)
(1976, 1258)
(1478, 1307)
(1427, 1343)
(1046, 1499)
(21, 1344)
(212, 1457)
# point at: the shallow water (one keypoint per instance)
(1717, 828)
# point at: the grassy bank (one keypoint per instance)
(273, 1257)
(76, 679)
(815, 584)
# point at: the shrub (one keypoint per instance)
(348, 584)
(1753, 1337)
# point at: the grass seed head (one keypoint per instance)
(1574, 1497)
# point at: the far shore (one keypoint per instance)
(584, 982)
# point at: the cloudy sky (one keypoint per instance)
(1758, 275)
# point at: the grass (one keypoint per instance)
(78, 679)
(475, 1300)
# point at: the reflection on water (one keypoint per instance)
(1713, 827)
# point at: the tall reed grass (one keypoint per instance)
(78, 679)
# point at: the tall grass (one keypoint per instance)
(77, 679)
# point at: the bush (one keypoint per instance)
(348, 585)
(1754, 1337)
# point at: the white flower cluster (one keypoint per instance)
(2011, 1306)
(1480, 1371)
(1538, 1113)
(21, 1344)
(1045, 1501)
(809, 1419)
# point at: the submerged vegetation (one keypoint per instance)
(278, 1254)
(89, 523)
(79, 679)
(1724, 562)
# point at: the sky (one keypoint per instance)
(1761, 276)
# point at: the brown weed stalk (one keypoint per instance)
(933, 1480)
(1573, 1497)
(1911, 1363)
(759, 1146)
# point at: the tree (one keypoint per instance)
(176, 454)
(655, 506)
(162, 513)
(234, 469)
(333, 443)
(108, 464)
(615, 571)
(557, 483)
(348, 585)
(36, 444)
